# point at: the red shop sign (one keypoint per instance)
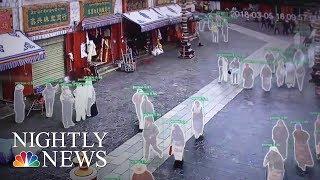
(6, 24)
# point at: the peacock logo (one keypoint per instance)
(26, 160)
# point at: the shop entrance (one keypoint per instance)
(101, 38)
(139, 42)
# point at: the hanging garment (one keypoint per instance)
(83, 49)
(91, 47)
(48, 94)
(18, 103)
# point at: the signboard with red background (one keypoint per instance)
(6, 24)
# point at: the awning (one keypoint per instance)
(94, 22)
(147, 19)
(172, 12)
(47, 33)
(17, 50)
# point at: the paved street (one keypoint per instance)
(173, 79)
(218, 96)
(232, 145)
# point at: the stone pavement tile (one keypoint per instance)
(121, 158)
(189, 134)
(169, 114)
(165, 143)
(103, 172)
(110, 176)
(134, 139)
(155, 163)
(108, 159)
(136, 147)
(126, 175)
(119, 150)
(122, 168)
(164, 134)
(178, 107)
(137, 155)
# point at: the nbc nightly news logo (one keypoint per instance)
(57, 140)
(26, 160)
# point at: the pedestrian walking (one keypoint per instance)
(67, 101)
(177, 142)
(274, 161)
(197, 119)
(266, 77)
(302, 152)
(247, 76)
(18, 103)
(280, 137)
(49, 94)
(149, 134)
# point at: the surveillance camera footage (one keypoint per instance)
(160, 89)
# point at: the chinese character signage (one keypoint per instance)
(94, 8)
(6, 21)
(45, 16)
(163, 2)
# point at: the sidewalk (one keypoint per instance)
(218, 95)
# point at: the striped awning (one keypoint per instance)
(94, 22)
(147, 19)
(48, 33)
(17, 50)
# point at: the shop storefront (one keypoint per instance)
(96, 41)
(145, 28)
(17, 52)
(46, 25)
(139, 26)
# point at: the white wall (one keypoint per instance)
(151, 3)
(118, 6)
